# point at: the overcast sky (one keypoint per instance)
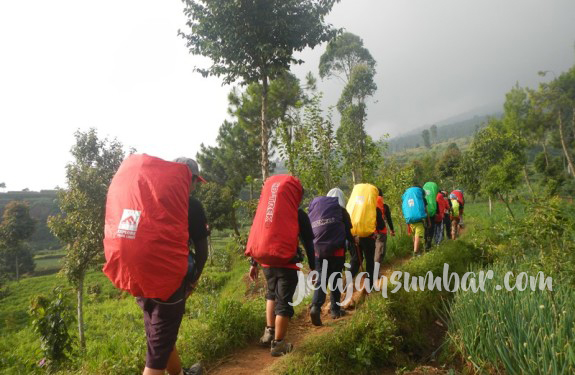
(119, 66)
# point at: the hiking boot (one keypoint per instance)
(315, 314)
(196, 369)
(267, 338)
(336, 314)
(280, 348)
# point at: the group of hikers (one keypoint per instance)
(329, 228)
(156, 244)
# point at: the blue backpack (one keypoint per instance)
(412, 205)
(325, 215)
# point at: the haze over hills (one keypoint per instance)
(458, 126)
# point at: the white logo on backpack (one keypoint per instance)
(129, 224)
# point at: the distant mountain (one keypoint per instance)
(460, 126)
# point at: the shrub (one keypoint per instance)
(52, 318)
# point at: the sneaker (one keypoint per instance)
(336, 314)
(315, 314)
(280, 348)
(196, 369)
(267, 338)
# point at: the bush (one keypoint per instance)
(52, 319)
(361, 344)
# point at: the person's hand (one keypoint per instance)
(254, 273)
(392, 233)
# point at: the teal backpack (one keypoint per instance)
(412, 205)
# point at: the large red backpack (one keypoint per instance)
(274, 233)
(146, 229)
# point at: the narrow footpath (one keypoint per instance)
(256, 359)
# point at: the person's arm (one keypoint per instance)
(199, 231)
(306, 237)
(201, 252)
(388, 217)
(347, 224)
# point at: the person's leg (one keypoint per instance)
(174, 363)
(285, 289)
(319, 294)
(354, 261)
(379, 247)
(453, 229)
(447, 224)
(368, 249)
(438, 232)
(335, 267)
(269, 331)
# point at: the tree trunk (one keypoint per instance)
(490, 206)
(235, 222)
(528, 182)
(507, 204)
(80, 292)
(570, 167)
(264, 131)
(17, 267)
(545, 154)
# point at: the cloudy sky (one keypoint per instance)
(119, 66)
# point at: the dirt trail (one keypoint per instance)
(256, 359)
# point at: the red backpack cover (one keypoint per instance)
(441, 207)
(274, 233)
(146, 228)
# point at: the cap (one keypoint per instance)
(191, 163)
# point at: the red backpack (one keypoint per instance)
(146, 228)
(274, 233)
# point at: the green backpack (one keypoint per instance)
(431, 189)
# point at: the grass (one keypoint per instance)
(515, 332)
(220, 316)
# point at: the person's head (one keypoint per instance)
(191, 163)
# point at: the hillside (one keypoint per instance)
(42, 204)
(446, 133)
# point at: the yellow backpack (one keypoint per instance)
(455, 208)
(361, 208)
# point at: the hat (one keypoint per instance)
(191, 163)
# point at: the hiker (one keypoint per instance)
(151, 221)
(381, 234)
(414, 207)
(331, 226)
(461, 200)
(431, 189)
(365, 220)
(162, 320)
(455, 215)
(439, 216)
(446, 215)
(273, 243)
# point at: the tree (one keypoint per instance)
(2, 185)
(558, 97)
(348, 60)
(218, 201)
(448, 165)
(433, 133)
(81, 224)
(16, 227)
(310, 146)
(517, 108)
(494, 161)
(255, 41)
(426, 139)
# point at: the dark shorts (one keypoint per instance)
(282, 283)
(162, 321)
